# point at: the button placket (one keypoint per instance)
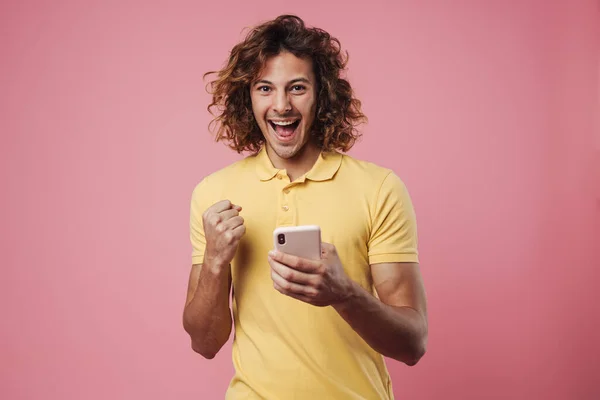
(285, 213)
(285, 199)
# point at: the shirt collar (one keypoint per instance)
(264, 167)
(325, 168)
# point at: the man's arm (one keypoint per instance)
(206, 316)
(395, 325)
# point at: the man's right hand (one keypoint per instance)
(223, 229)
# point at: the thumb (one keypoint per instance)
(327, 248)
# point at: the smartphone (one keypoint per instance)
(301, 241)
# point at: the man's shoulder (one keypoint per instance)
(368, 170)
(221, 176)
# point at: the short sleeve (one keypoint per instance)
(394, 227)
(197, 208)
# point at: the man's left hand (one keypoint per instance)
(318, 282)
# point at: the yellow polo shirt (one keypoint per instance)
(284, 348)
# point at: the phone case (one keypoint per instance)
(302, 241)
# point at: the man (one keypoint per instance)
(303, 329)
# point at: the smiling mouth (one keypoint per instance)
(284, 129)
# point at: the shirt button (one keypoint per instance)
(279, 176)
(285, 208)
(286, 191)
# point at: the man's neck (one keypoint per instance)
(298, 165)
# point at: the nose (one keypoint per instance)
(281, 102)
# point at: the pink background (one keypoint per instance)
(487, 109)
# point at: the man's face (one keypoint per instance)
(284, 100)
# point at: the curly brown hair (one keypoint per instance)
(338, 111)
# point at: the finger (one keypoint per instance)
(228, 214)
(233, 236)
(327, 248)
(232, 223)
(219, 206)
(297, 296)
(291, 275)
(297, 263)
(287, 287)
(238, 232)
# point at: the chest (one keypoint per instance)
(342, 213)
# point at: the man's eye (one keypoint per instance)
(298, 88)
(264, 89)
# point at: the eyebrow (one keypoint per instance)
(304, 80)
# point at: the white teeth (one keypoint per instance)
(283, 123)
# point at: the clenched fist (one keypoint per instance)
(223, 229)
